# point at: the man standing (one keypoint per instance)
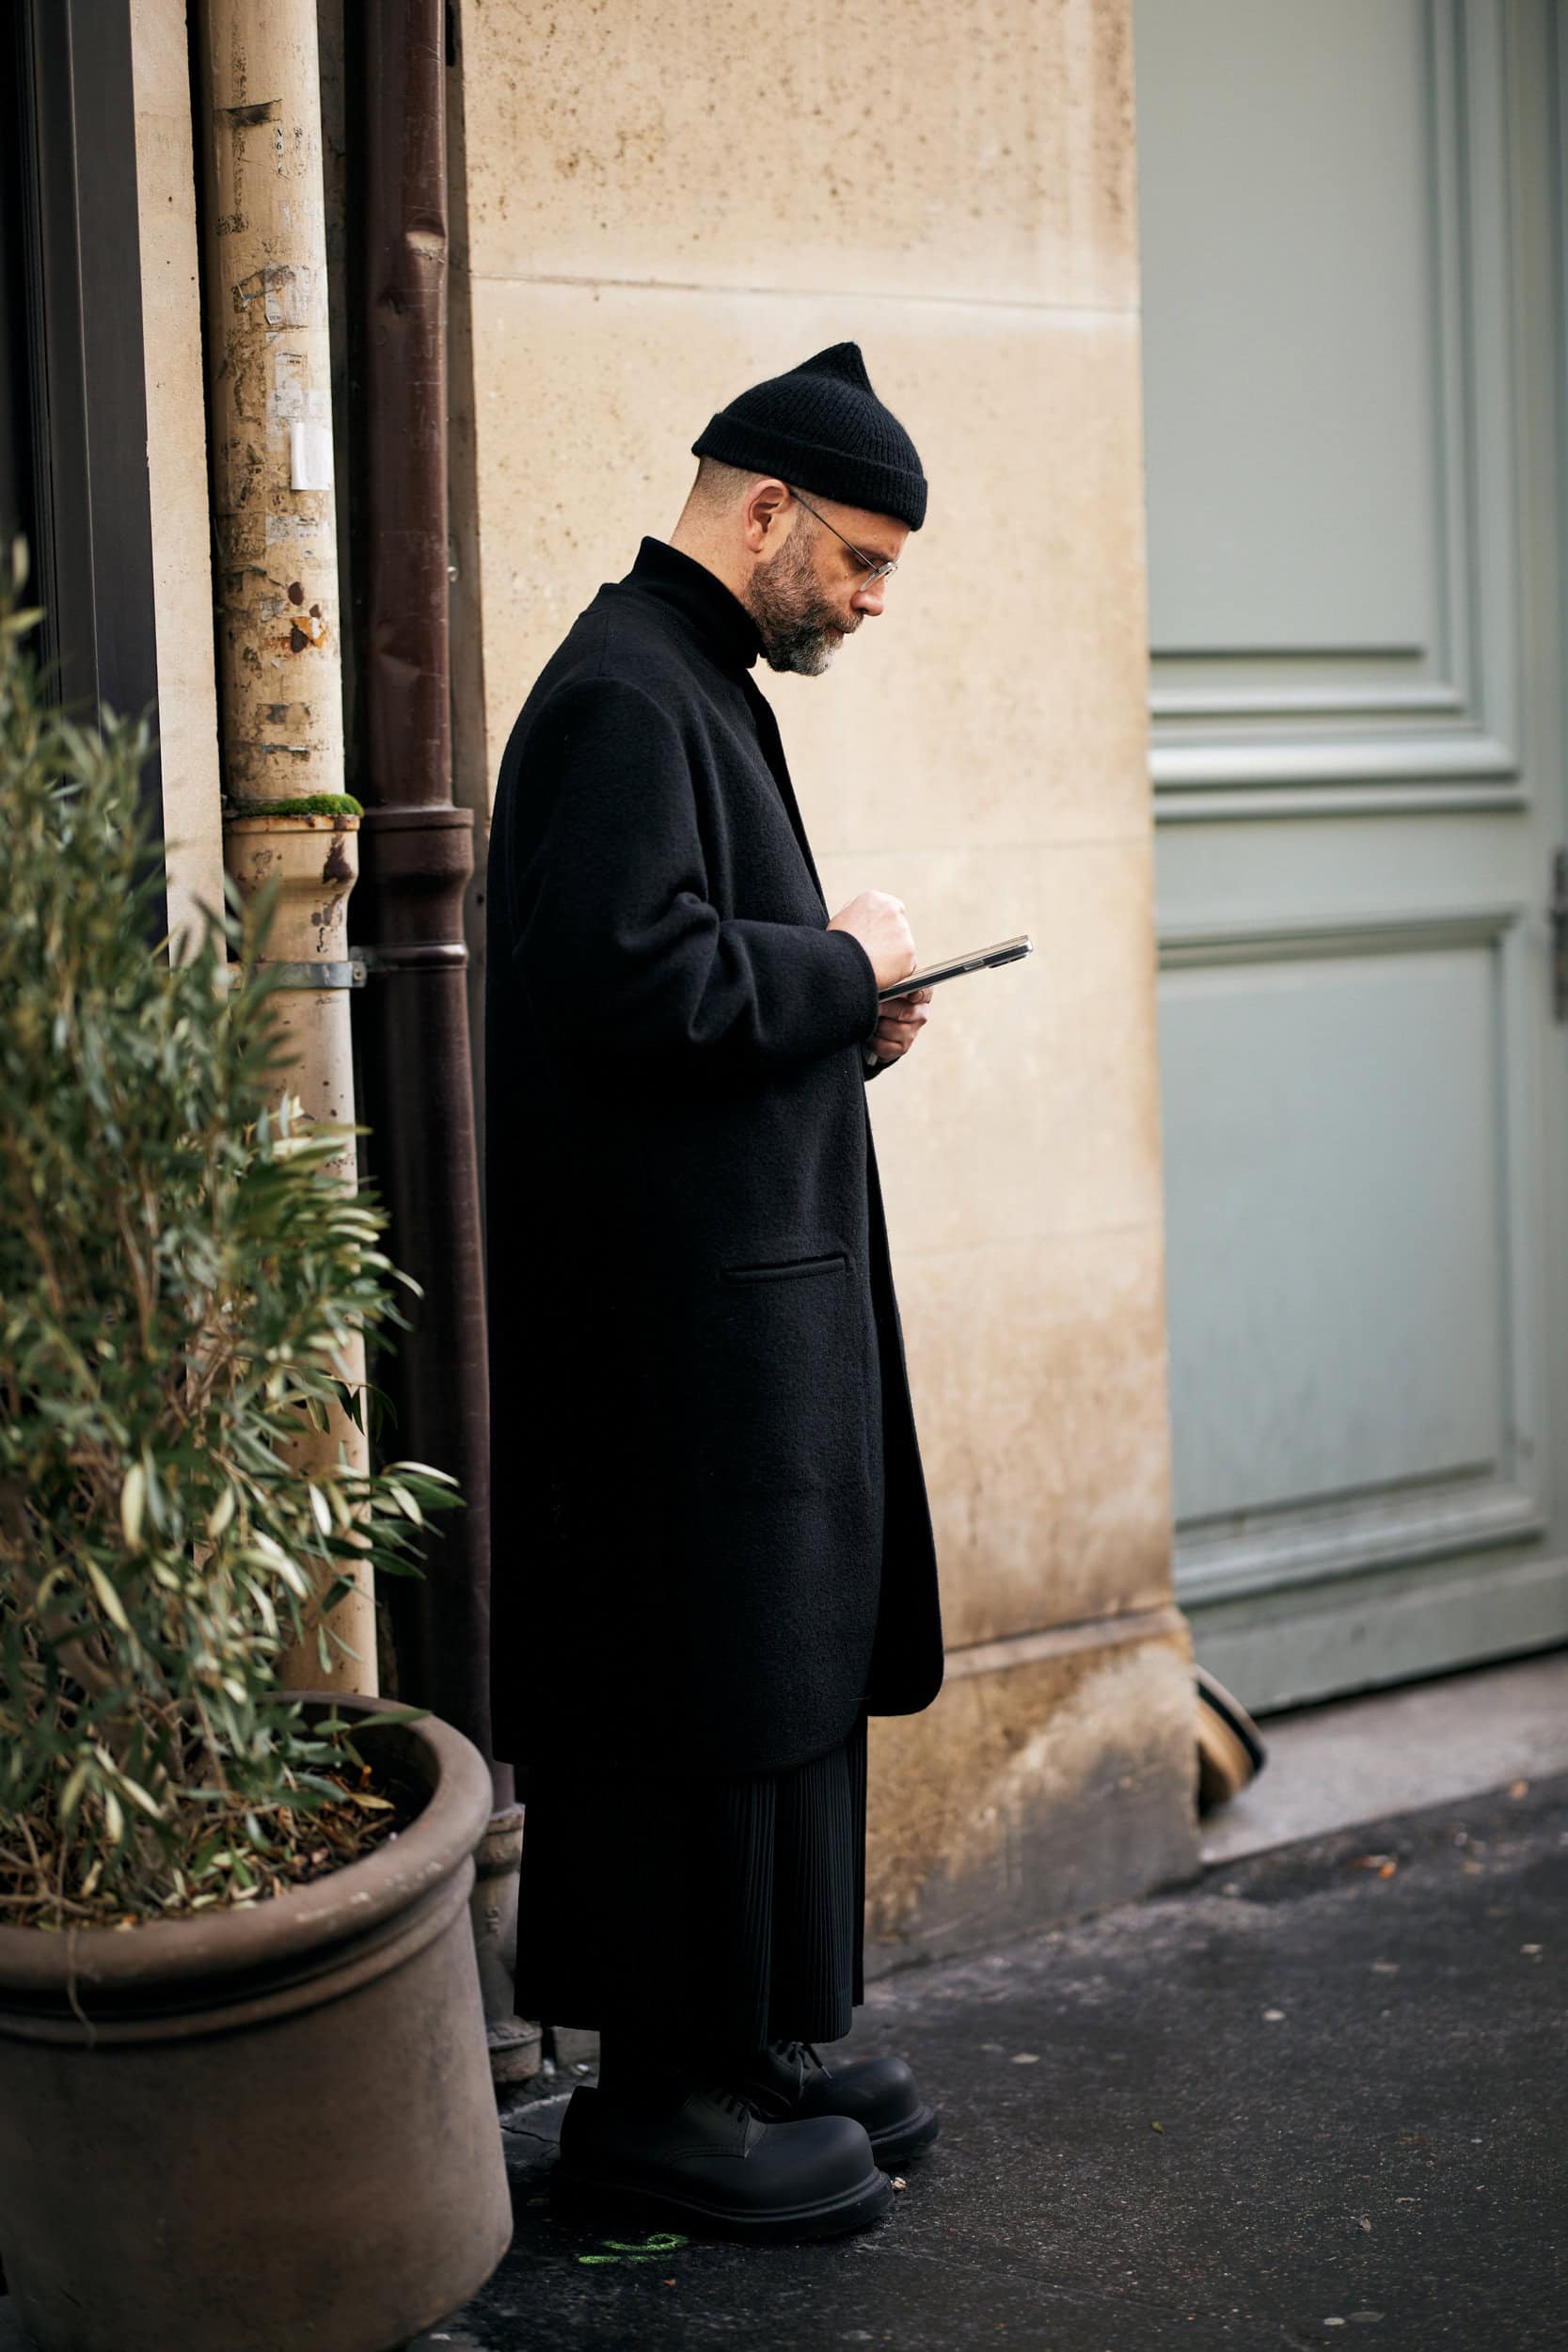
(713, 1556)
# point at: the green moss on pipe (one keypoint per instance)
(309, 804)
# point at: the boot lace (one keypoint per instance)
(800, 2054)
(725, 2095)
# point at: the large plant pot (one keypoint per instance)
(262, 2128)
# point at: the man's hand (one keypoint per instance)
(881, 925)
(901, 1022)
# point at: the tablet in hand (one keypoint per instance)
(981, 960)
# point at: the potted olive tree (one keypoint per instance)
(244, 2099)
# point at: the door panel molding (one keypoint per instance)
(1464, 1506)
(1185, 945)
(1280, 729)
(1372, 1530)
(1390, 798)
(1287, 1649)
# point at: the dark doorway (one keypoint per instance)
(73, 399)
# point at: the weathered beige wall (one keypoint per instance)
(176, 460)
(666, 202)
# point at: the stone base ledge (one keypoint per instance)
(1054, 1776)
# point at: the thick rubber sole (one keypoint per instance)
(898, 2143)
(587, 2197)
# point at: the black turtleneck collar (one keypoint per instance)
(717, 614)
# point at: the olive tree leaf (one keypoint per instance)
(183, 1280)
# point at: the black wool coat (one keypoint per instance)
(711, 1540)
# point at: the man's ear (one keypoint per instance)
(766, 503)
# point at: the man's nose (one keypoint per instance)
(868, 598)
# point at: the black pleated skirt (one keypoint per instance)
(719, 1916)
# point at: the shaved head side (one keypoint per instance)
(719, 487)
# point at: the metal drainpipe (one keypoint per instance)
(280, 680)
(413, 1018)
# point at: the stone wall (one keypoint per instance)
(663, 203)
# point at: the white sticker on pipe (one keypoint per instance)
(309, 456)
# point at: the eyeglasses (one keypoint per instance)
(873, 570)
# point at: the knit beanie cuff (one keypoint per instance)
(822, 427)
(857, 481)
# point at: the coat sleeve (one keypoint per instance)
(616, 941)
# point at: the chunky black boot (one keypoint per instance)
(789, 2082)
(710, 2164)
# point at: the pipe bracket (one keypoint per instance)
(415, 955)
(348, 972)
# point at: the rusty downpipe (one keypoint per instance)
(417, 859)
(417, 856)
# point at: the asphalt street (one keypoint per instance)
(1319, 2097)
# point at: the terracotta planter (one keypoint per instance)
(276, 2126)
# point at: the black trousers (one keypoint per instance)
(716, 1916)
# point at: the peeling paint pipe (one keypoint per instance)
(281, 681)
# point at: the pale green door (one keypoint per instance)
(1352, 303)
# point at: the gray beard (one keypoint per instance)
(796, 624)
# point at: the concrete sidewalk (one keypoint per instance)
(1382, 1751)
(1320, 2096)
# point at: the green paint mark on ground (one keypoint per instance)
(652, 2249)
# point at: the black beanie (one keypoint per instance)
(823, 427)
